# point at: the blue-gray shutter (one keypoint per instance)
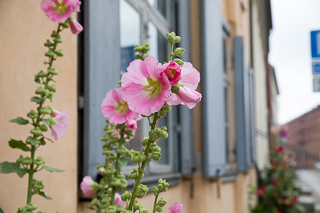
(185, 114)
(252, 116)
(102, 72)
(214, 145)
(242, 102)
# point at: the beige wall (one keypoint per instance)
(23, 30)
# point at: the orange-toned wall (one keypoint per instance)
(23, 30)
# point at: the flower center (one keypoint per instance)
(122, 108)
(153, 89)
(60, 7)
(171, 73)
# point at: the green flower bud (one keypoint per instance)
(145, 141)
(48, 43)
(106, 152)
(121, 176)
(152, 134)
(163, 113)
(26, 161)
(159, 208)
(20, 159)
(39, 161)
(36, 131)
(133, 175)
(156, 156)
(170, 38)
(64, 25)
(54, 34)
(129, 153)
(57, 40)
(179, 51)
(49, 54)
(123, 183)
(142, 190)
(155, 190)
(59, 53)
(52, 88)
(110, 131)
(104, 138)
(160, 187)
(155, 148)
(143, 211)
(175, 88)
(37, 184)
(53, 71)
(178, 61)
(137, 158)
(119, 208)
(110, 171)
(163, 134)
(177, 39)
(164, 128)
(126, 196)
(94, 202)
(162, 202)
(32, 114)
(115, 182)
(52, 121)
(111, 209)
(31, 206)
(43, 128)
(40, 91)
(44, 111)
(121, 150)
(41, 73)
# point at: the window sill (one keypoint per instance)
(229, 176)
(152, 180)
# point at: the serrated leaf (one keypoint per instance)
(41, 193)
(33, 141)
(36, 99)
(46, 121)
(20, 121)
(9, 167)
(50, 169)
(123, 161)
(1, 211)
(18, 145)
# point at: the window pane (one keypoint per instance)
(161, 6)
(158, 43)
(129, 33)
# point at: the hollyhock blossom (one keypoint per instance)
(144, 87)
(75, 26)
(131, 125)
(61, 124)
(261, 190)
(280, 149)
(58, 10)
(117, 200)
(115, 109)
(176, 208)
(173, 72)
(85, 186)
(186, 94)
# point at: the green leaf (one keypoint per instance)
(36, 99)
(123, 161)
(41, 193)
(37, 79)
(49, 139)
(46, 121)
(50, 169)
(33, 141)
(9, 167)
(1, 211)
(20, 120)
(18, 145)
(90, 207)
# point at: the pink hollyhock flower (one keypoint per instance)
(117, 200)
(144, 87)
(187, 95)
(280, 149)
(75, 26)
(85, 186)
(173, 72)
(58, 10)
(60, 127)
(261, 190)
(176, 208)
(131, 125)
(115, 109)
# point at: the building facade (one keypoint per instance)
(210, 155)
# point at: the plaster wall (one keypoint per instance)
(23, 30)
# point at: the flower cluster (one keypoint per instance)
(277, 191)
(148, 89)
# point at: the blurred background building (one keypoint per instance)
(214, 152)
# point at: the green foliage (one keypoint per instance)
(33, 141)
(50, 169)
(18, 145)
(20, 121)
(36, 99)
(10, 167)
(1, 211)
(41, 193)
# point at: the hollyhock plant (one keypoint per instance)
(143, 87)
(173, 72)
(115, 109)
(185, 93)
(176, 208)
(61, 124)
(59, 10)
(75, 26)
(85, 186)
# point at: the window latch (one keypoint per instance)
(190, 178)
(217, 179)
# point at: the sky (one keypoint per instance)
(290, 55)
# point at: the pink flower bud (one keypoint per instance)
(131, 124)
(101, 170)
(61, 125)
(75, 26)
(189, 97)
(176, 208)
(117, 200)
(173, 72)
(85, 186)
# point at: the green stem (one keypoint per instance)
(31, 172)
(144, 163)
(155, 202)
(171, 51)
